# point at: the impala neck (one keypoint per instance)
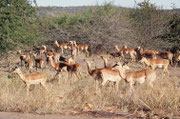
(52, 62)
(117, 48)
(105, 62)
(21, 75)
(57, 44)
(122, 72)
(147, 62)
(89, 68)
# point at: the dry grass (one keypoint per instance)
(163, 99)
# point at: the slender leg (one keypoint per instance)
(27, 90)
(44, 85)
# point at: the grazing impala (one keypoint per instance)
(146, 53)
(30, 79)
(148, 75)
(127, 51)
(82, 47)
(62, 46)
(156, 63)
(166, 55)
(38, 61)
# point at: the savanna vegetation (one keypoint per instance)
(101, 27)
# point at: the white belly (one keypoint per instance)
(140, 80)
(37, 81)
(160, 65)
(113, 78)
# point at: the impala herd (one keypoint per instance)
(118, 71)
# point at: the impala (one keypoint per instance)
(146, 53)
(62, 46)
(82, 47)
(148, 75)
(166, 55)
(177, 59)
(127, 51)
(30, 79)
(23, 57)
(156, 63)
(112, 75)
(38, 61)
(96, 73)
(71, 66)
(55, 55)
(42, 49)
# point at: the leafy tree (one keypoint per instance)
(13, 15)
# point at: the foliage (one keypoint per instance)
(18, 24)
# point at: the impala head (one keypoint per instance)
(125, 66)
(138, 47)
(15, 70)
(43, 46)
(119, 66)
(125, 46)
(71, 43)
(75, 44)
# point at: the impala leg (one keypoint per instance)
(76, 73)
(44, 85)
(27, 90)
(87, 53)
(117, 85)
(131, 88)
(166, 70)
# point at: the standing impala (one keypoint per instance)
(127, 51)
(146, 53)
(30, 79)
(38, 61)
(148, 75)
(112, 75)
(156, 63)
(23, 57)
(82, 47)
(166, 55)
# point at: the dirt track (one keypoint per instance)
(13, 115)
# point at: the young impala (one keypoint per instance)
(156, 63)
(148, 75)
(127, 51)
(30, 79)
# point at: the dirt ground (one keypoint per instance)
(12, 115)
